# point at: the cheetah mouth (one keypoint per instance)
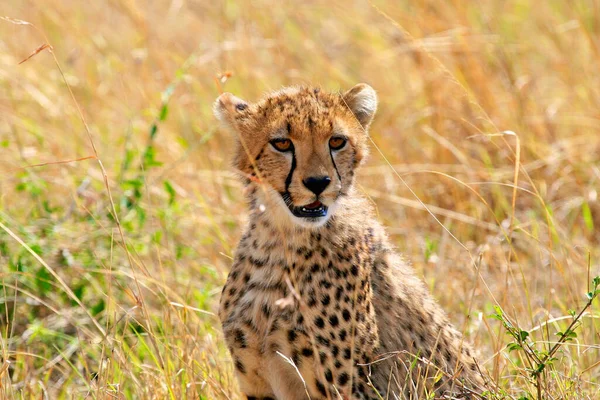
(316, 209)
(313, 210)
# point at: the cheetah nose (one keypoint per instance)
(317, 184)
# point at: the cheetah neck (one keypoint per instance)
(273, 242)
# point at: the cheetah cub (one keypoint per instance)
(317, 304)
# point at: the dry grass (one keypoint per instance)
(92, 306)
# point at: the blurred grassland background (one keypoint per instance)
(95, 307)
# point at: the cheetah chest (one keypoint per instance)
(312, 322)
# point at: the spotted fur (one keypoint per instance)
(323, 308)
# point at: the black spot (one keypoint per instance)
(322, 357)
(301, 250)
(307, 352)
(335, 351)
(338, 272)
(319, 322)
(354, 270)
(258, 263)
(240, 367)
(240, 338)
(321, 388)
(324, 341)
(361, 373)
(325, 300)
(329, 376)
(266, 310)
(286, 315)
(296, 358)
(338, 364)
(347, 353)
(274, 327)
(292, 335)
(333, 320)
(343, 378)
(315, 268)
(342, 335)
(448, 356)
(323, 252)
(346, 315)
(325, 284)
(312, 298)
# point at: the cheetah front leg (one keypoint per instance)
(249, 368)
(285, 380)
(254, 388)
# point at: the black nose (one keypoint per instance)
(317, 184)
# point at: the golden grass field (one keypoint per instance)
(116, 234)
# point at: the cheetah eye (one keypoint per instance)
(282, 145)
(336, 143)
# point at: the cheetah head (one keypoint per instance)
(299, 148)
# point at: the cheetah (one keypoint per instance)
(318, 305)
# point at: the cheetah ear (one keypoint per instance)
(226, 107)
(362, 101)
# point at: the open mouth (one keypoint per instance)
(315, 209)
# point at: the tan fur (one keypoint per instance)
(328, 295)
